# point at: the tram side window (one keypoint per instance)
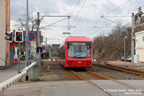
(60, 53)
(63, 52)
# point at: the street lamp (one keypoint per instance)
(124, 49)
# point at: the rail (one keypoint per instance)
(125, 70)
(6, 84)
(82, 78)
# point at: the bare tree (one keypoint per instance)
(112, 46)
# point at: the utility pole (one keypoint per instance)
(38, 23)
(125, 50)
(46, 44)
(46, 47)
(18, 65)
(132, 41)
(26, 78)
(30, 58)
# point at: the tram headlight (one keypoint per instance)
(69, 63)
(88, 63)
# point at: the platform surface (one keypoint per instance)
(76, 88)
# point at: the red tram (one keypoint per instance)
(76, 52)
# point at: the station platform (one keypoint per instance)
(77, 88)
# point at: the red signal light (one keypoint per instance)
(18, 34)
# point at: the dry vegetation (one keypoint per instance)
(111, 47)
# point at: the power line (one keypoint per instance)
(74, 7)
(117, 19)
(116, 16)
(68, 23)
(78, 12)
(118, 7)
(92, 27)
(108, 13)
(109, 20)
(52, 23)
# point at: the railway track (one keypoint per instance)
(122, 69)
(100, 76)
(83, 78)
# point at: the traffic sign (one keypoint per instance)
(31, 36)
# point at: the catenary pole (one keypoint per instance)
(125, 50)
(132, 41)
(18, 65)
(38, 23)
(27, 27)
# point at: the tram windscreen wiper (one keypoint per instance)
(77, 55)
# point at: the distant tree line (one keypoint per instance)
(111, 47)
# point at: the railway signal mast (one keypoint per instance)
(18, 39)
(10, 36)
(19, 36)
(15, 37)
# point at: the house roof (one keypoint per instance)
(139, 32)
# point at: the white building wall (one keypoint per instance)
(139, 45)
(2, 32)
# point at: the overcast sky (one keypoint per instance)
(84, 16)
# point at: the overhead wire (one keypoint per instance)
(92, 26)
(68, 23)
(75, 7)
(78, 13)
(62, 19)
(52, 23)
(108, 13)
(118, 19)
(118, 7)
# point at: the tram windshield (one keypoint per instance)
(79, 49)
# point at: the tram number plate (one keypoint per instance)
(79, 61)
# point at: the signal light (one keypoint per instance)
(10, 36)
(19, 36)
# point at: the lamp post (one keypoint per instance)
(124, 50)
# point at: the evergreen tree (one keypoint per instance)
(139, 14)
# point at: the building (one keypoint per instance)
(7, 48)
(4, 27)
(139, 45)
(54, 49)
(139, 38)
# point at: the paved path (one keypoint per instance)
(124, 63)
(127, 64)
(10, 71)
(76, 88)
